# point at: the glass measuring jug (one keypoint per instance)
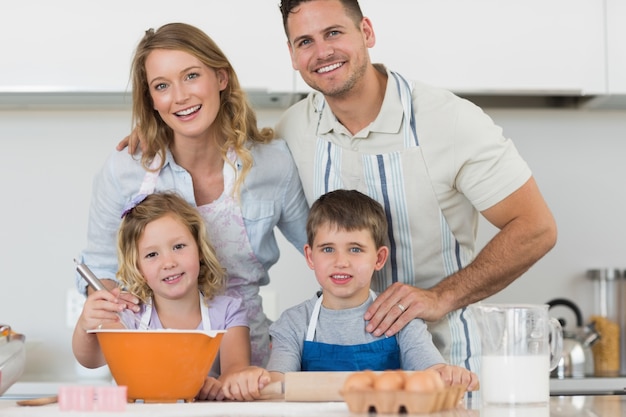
(521, 344)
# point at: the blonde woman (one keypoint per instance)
(200, 138)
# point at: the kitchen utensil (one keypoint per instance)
(517, 341)
(160, 365)
(12, 357)
(307, 386)
(32, 402)
(607, 284)
(577, 358)
(89, 276)
(622, 326)
(97, 285)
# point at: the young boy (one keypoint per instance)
(346, 234)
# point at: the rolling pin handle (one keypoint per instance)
(272, 390)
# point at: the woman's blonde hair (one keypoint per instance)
(236, 120)
(211, 278)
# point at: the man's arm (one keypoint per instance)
(527, 232)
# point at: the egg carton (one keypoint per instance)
(396, 402)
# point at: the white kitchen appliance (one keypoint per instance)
(12, 357)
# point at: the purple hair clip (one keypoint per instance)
(133, 203)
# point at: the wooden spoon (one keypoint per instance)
(38, 401)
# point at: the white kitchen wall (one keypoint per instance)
(48, 159)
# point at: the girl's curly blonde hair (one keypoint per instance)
(211, 278)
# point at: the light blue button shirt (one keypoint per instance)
(270, 196)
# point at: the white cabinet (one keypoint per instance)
(87, 46)
(487, 46)
(616, 46)
(468, 46)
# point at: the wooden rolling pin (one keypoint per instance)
(307, 387)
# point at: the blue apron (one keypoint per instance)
(380, 355)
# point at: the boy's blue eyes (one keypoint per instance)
(330, 250)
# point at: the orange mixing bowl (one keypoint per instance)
(159, 365)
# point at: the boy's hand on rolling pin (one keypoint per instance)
(457, 375)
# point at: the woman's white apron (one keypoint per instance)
(227, 234)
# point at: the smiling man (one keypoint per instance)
(434, 162)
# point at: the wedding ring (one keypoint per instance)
(401, 307)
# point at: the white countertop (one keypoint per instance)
(567, 386)
(565, 406)
(588, 386)
(199, 409)
(21, 390)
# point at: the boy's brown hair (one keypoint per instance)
(348, 210)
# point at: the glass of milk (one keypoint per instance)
(520, 344)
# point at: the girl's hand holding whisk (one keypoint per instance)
(102, 309)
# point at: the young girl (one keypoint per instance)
(167, 262)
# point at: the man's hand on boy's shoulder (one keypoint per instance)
(400, 303)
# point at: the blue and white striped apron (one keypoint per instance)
(393, 179)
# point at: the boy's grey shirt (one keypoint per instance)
(343, 327)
